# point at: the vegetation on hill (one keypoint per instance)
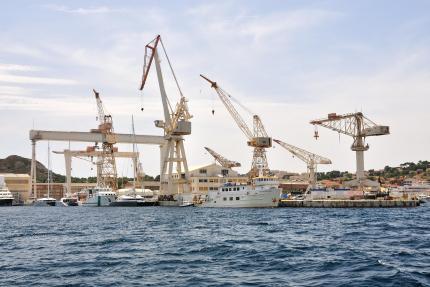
(18, 164)
(407, 169)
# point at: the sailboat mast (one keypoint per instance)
(134, 159)
(49, 169)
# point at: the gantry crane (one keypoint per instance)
(311, 159)
(89, 153)
(176, 124)
(222, 160)
(357, 126)
(108, 174)
(258, 139)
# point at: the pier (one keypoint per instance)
(363, 203)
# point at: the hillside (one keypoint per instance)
(18, 164)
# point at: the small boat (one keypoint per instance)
(6, 197)
(186, 204)
(129, 200)
(99, 196)
(68, 201)
(423, 198)
(45, 201)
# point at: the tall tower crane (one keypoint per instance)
(258, 138)
(357, 126)
(107, 172)
(176, 124)
(311, 159)
(222, 160)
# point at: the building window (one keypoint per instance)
(231, 198)
(203, 171)
(224, 198)
(237, 198)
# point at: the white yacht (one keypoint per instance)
(99, 196)
(45, 201)
(68, 201)
(263, 191)
(6, 197)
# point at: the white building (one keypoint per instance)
(210, 177)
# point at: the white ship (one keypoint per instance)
(263, 191)
(99, 196)
(6, 197)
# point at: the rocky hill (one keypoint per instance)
(18, 164)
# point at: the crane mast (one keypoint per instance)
(222, 160)
(176, 124)
(311, 159)
(107, 175)
(258, 138)
(357, 126)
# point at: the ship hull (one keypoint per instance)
(264, 198)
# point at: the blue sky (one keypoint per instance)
(288, 61)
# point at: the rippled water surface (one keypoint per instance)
(156, 246)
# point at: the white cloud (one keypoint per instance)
(21, 68)
(15, 79)
(82, 11)
(277, 24)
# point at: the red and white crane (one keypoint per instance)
(176, 124)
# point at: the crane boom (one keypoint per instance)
(302, 154)
(311, 159)
(353, 124)
(224, 97)
(258, 139)
(222, 160)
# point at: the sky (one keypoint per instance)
(288, 61)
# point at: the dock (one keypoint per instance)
(362, 203)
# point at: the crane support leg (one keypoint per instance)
(68, 160)
(360, 164)
(312, 177)
(33, 188)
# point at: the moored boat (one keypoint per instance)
(99, 196)
(6, 197)
(262, 191)
(45, 201)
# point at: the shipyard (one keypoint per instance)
(214, 143)
(223, 186)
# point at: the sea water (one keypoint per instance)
(160, 246)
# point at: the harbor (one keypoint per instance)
(214, 143)
(260, 186)
(359, 203)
